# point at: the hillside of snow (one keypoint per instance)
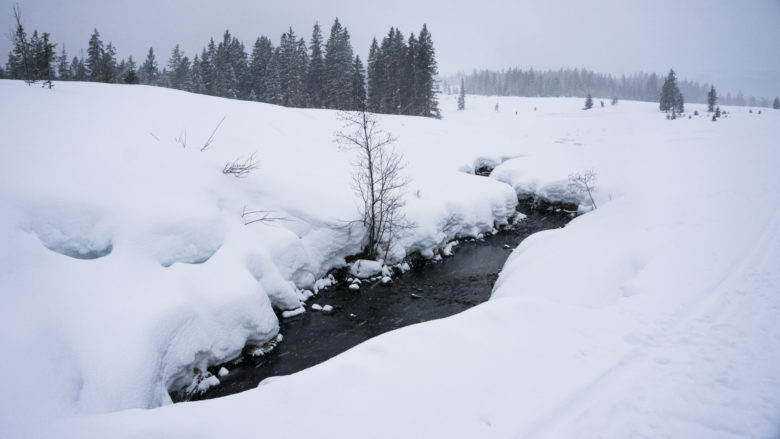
(126, 263)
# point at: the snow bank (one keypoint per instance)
(129, 261)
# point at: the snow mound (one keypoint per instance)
(74, 230)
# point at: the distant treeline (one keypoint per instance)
(321, 74)
(580, 82)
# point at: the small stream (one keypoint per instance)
(432, 291)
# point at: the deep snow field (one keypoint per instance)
(125, 263)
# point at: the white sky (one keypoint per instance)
(733, 43)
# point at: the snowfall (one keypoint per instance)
(127, 262)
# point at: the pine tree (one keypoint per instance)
(776, 103)
(63, 67)
(94, 61)
(338, 68)
(46, 60)
(20, 59)
(262, 52)
(411, 102)
(374, 80)
(358, 85)
(196, 76)
(271, 81)
(679, 103)
(315, 90)
(108, 65)
(149, 71)
(462, 96)
(588, 102)
(712, 99)
(425, 73)
(671, 98)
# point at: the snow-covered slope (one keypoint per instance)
(654, 315)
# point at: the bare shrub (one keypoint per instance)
(584, 182)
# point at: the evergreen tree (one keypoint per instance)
(462, 96)
(411, 102)
(20, 59)
(95, 60)
(196, 76)
(179, 70)
(108, 65)
(46, 60)
(35, 52)
(679, 103)
(338, 68)
(670, 94)
(149, 72)
(776, 103)
(425, 73)
(262, 52)
(712, 99)
(63, 67)
(271, 81)
(374, 80)
(78, 68)
(292, 69)
(131, 77)
(315, 90)
(588, 102)
(358, 85)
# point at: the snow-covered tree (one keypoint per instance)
(338, 68)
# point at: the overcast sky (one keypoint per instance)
(734, 44)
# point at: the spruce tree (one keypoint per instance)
(588, 102)
(712, 99)
(670, 94)
(63, 66)
(411, 102)
(149, 70)
(20, 59)
(94, 61)
(338, 68)
(262, 52)
(46, 60)
(425, 73)
(776, 103)
(358, 85)
(679, 103)
(462, 96)
(315, 92)
(108, 65)
(374, 80)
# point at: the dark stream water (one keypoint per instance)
(429, 292)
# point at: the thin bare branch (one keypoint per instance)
(211, 137)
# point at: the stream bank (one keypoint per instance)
(432, 291)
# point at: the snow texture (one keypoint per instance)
(654, 315)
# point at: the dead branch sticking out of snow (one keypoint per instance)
(241, 168)
(259, 216)
(211, 137)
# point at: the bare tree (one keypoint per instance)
(241, 168)
(377, 179)
(584, 182)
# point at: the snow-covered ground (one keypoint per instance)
(653, 316)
